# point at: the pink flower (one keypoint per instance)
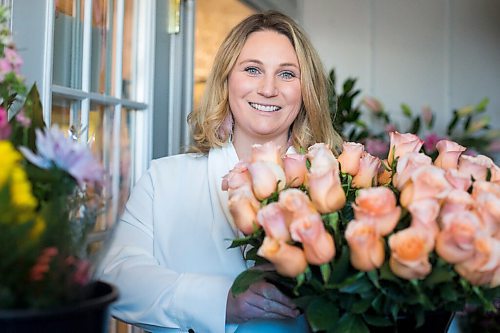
(238, 177)
(455, 242)
(424, 215)
(267, 178)
(427, 182)
(373, 104)
(402, 144)
(368, 171)
(495, 174)
(430, 141)
(13, 57)
(457, 200)
(475, 166)
(295, 202)
(326, 190)
(23, 120)
(377, 204)
(295, 169)
(243, 207)
(365, 244)
(268, 152)
(407, 165)
(449, 152)
(487, 196)
(5, 129)
(322, 158)
(318, 244)
(427, 115)
(377, 147)
(410, 254)
(272, 218)
(350, 157)
(458, 180)
(288, 260)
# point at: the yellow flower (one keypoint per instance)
(20, 190)
(38, 228)
(10, 157)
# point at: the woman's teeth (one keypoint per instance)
(265, 108)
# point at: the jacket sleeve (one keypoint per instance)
(153, 296)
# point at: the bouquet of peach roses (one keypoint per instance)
(360, 242)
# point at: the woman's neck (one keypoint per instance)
(243, 145)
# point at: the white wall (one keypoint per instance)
(441, 53)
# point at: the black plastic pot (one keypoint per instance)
(88, 315)
(435, 322)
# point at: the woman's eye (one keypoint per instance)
(287, 75)
(252, 70)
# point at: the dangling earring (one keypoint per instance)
(226, 128)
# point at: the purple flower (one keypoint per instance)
(55, 149)
(377, 147)
(430, 141)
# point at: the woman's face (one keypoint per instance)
(264, 89)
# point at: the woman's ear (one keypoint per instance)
(226, 129)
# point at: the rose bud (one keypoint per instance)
(350, 157)
(408, 164)
(379, 205)
(318, 244)
(475, 166)
(268, 152)
(449, 152)
(368, 171)
(322, 158)
(457, 200)
(267, 178)
(295, 202)
(365, 244)
(243, 208)
(402, 144)
(384, 175)
(458, 180)
(424, 215)
(288, 260)
(410, 254)
(239, 176)
(326, 191)
(295, 169)
(273, 220)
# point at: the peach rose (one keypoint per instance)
(326, 191)
(481, 186)
(350, 156)
(288, 260)
(424, 214)
(408, 164)
(368, 171)
(457, 200)
(410, 254)
(377, 204)
(272, 218)
(455, 242)
(457, 179)
(237, 177)
(495, 174)
(365, 244)
(449, 152)
(321, 158)
(268, 152)
(318, 244)
(295, 202)
(480, 268)
(295, 169)
(427, 182)
(488, 208)
(402, 144)
(243, 208)
(384, 175)
(475, 166)
(267, 178)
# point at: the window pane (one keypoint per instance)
(103, 22)
(66, 114)
(127, 155)
(130, 73)
(68, 41)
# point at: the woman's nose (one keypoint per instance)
(267, 87)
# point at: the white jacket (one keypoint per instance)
(169, 256)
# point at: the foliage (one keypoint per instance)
(49, 197)
(368, 122)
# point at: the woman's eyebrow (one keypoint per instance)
(284, 64)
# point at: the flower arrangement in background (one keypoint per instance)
(358, 241)
(468, 126)
(49, 197)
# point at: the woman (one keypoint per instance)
(170, 256)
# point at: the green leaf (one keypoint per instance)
(340, 267)
(325, 271)
(378, 321)
(351, 324)
(357, 285)
(481, 106)
(245, 279)
(322, 314)
(373, 276)
(448, 292)
(361, 306)
(439, 274)
(406, 110)
(387, 274)
(34, 111)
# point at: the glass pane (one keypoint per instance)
(127, 156)
(68, 41)
(66, 114)
(101, 144)
(130, 73)
(103, 18)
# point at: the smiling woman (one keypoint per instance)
(170, 254)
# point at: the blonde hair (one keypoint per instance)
(313, 123)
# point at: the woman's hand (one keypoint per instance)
(261, 300)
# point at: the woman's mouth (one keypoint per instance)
(265, 108)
